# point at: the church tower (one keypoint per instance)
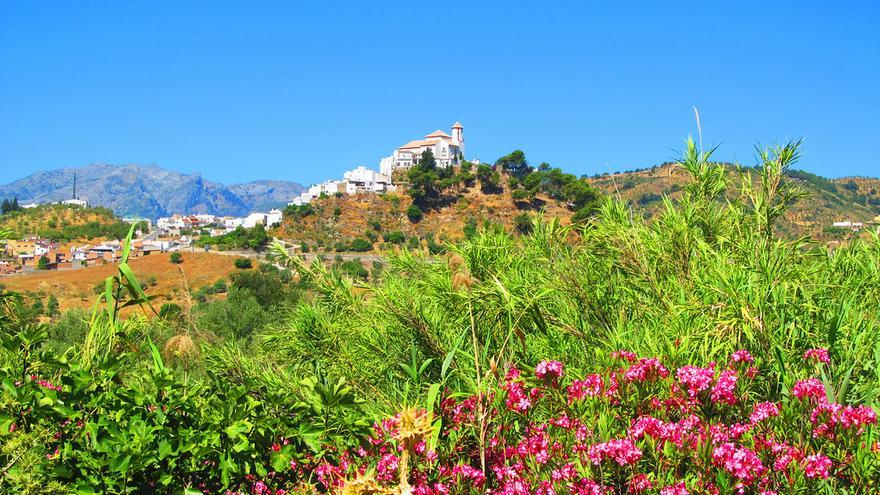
(457, 133)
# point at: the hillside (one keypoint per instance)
(63, 222)
(149, 191)
(826, 201)
(345, 218)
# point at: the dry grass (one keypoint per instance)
(74, 288)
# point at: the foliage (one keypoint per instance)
(514, 164)
(243, 263)
(9, 205)
(359, 245)
(414, 213)
(253, 238)
(176, 258)
(395, 237)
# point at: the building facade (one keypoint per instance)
(448, 150)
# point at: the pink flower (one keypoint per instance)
(696, 379)
(741, 356)
(817, 466)
(622, 451)
(810, 388)
(741, 462)
(625, 355)
(644, 370)
(724, 390)
(549, 371)
(819, 355)
(590, 386)
(639, 484)
(762, 411)
(678, 489)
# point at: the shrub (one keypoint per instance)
(243, 263)
(523, 223)
(176, 258)
(361, 245)
(395, 237)
(414, 213)
(354, 269)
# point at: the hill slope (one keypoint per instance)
(344, 218)
(827, 200)
(149, 191)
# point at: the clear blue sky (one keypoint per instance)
(304, 90)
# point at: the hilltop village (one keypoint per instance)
(447, 149)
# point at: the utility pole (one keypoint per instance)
(74, 185)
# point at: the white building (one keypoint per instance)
(274, 217)
(253, 219)
(75, 202)
(363, 179)
(448, 150)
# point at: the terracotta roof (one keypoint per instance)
(457, 125)
(438, 133)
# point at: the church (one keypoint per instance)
(448, 150)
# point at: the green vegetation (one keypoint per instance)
(241, 238)
(243, 263)
(9, 205)
(414, 213)
(694, 352)
(176, 258)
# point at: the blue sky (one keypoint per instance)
(303, 91)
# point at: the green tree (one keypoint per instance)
(243, 263)
(176, 258)
(238, 317)
(514, 164)
(267, 288)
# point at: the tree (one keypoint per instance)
(414, 213)
(176, 258)
(43, 263)
(267, 288)
(489, 179)
(243, 263)
(423, 178)
(514, 164)
(239, 316)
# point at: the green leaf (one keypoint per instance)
(164, 449)
(280, 461)
(119, 464)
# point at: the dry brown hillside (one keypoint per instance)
(348, 217)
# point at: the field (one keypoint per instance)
(74, 288)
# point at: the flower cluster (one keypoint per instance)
(621, 430)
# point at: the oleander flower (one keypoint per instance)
(817, 466)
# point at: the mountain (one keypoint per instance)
(149, 191)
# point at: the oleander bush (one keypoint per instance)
(698, 353)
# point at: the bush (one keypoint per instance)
(354, 269)
(523, 223)
(176, 258)
(243, 263)
(414, 213)
(361, 245)
(395, 237)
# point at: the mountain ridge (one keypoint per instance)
(150, 191)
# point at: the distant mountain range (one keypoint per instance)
(150, 191)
